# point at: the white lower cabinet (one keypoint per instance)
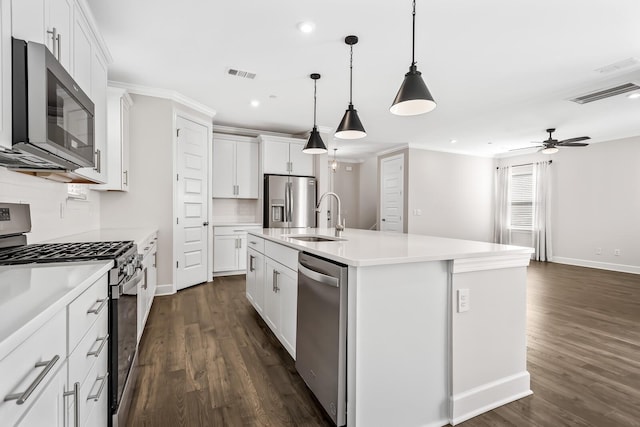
(255, 279)
(48, 408)
(149, 282)
(272, 288)
(64, 364)
(230, 249)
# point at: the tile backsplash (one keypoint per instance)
(52, 213)
(235, 210)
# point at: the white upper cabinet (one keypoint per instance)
(59, 30)
(284, 156)
(235, 167)
(82, 56)
(301, 163)
(98, 94)
(118, 106)
(5, 77)
(47, 22)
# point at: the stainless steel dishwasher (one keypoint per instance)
(321, 336)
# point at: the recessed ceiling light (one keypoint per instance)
(634, 95)
(306, 27)
(453, 141)
(255, 103)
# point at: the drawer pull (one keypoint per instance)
(96, 396)
(22, 397)
(253, 242)
(97, 352)
(76, 404)
(97, 310)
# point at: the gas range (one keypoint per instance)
(123, 254)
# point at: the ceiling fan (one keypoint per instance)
(550, 145)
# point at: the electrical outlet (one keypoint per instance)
(464, 301)
(616, 252)
(417, 212)
(598, 251)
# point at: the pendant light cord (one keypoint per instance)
(351, 77)
(413, 46)
(314, 102)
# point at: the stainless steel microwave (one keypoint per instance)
(53, 119)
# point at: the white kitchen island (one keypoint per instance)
(414, 358)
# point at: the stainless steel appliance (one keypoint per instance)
(123, 281)
(53, 119)
(321, 336)
(289, 201)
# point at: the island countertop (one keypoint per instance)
(367, 248)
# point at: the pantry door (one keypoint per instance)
(192, 227)
(391, 193)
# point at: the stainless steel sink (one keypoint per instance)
(314, 238)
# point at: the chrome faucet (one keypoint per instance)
(339, 223)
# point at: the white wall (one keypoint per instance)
(52, 214)
(596, 203)
(454, 194)
(149, 202)
(346, 184)
(368, 197)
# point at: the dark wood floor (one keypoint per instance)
(207, 359)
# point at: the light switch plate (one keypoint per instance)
(464, 303)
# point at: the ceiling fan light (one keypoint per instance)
(350, 126)
(315, 144)
(550, 150)
(413, 97)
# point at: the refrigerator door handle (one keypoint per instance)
(290, 192)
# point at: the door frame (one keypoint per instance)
(178, 112)
(381, 161)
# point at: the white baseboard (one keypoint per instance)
(229, 273)
(486, 397)
(596, 264)
(167, 289)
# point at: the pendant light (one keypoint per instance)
(334, 163)
(413, 97)
(315, 145)
(350, 127)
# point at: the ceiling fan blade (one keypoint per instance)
(580, 138)
(572, 144)
(526, 148)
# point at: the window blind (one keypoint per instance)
(522, 197)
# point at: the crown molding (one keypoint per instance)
(93, 27)
(253, 133)
(392, 149)
(166, 94)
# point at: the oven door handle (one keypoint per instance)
(128, 286)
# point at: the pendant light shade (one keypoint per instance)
(350, 126)
(414, 97)
(314, 145)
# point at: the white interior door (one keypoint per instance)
(392, 193)
(192, 203)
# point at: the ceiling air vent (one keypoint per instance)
(605, 93)
(240, 73)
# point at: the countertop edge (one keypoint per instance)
(14, 340)
(393, 261)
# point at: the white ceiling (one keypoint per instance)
(500, 70)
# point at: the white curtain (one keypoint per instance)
(542, 211)
(502, 203)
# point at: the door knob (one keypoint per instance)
(204, 224)
(383, 219)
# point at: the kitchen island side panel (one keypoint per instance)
(489, 341)
(398, 345)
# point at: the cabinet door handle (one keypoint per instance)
(22, 397)
(251, 258)
(97, 310)
(98, 166)
(76, 403)
(54, 45)
(96, 396)
(276, 274)
(97, 352)
(126, 177)
(59, 49)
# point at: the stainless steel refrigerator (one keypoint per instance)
(289, 201)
